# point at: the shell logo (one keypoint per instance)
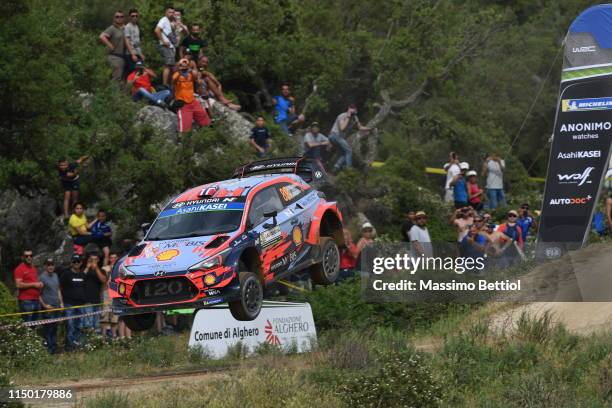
(296, 234)
(167, 255)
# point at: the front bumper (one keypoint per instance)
(121, 308)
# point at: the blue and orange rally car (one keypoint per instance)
(224, 241)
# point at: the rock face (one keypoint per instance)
(166, 121)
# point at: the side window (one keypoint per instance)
(290, 193)
(267, 200)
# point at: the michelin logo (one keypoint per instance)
(587, 104)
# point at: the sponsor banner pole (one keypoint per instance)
(582, 136)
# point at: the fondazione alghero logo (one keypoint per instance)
(586, 104)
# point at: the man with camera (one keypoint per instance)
(139, 81)
(184, 93)
(344, 124)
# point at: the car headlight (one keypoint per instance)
(211, 262)
(125, 273)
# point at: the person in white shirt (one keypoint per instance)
(452, 169)
(419, 236)
(167, 43)
(493, 169)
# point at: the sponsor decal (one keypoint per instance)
(270, 237)
(167, 255)
(571, 201)
(207, 302)
(581, 127)
(208, 191)
(289, 192)
(271, 338)
(586, 104)
(272, 166)
(212, 292)
(288, 325)
(318, 174)
(584, 48)
(580, 154)
(576, 178)
(297, 235)
(240, 240)
(215, 206)
(159, 273)
(180, 243)
(283, 261)
(202, 201)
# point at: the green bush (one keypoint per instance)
(20, 347)
(8, 303)
(403, 380)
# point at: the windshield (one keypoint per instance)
(197, 218)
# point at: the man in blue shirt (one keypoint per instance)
(525, 221)
(459, 186)
(260, 137)
(101, 233)
(284, 106)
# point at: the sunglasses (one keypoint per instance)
(421, 218)
(511, 216)
(28, 255)
(75, 262)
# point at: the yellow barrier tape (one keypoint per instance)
(289, 285)
(49, 310)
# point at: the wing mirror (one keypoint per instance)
(272, 214)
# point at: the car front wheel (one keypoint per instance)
(326, 272)
(251, 298)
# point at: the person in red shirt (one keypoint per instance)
(184, 91)
(141, 87)
(29, 286)
(348, 257)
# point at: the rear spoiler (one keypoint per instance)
(309, 170)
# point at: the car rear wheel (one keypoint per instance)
(251, 298)
(140, 322)
(326, 272)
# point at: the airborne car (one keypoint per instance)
(224, 241)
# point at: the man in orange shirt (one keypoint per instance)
(29, 286)
(183, 81)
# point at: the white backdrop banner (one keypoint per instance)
(289, 326)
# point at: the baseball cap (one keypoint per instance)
(366, 225)
(512, 212)
(471, 173)
(464, 165)
(49, 261)
(139, 64)
(75, 258)
(314, 124)
(421, 214)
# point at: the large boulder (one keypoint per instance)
(229, 121)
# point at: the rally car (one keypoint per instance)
(225, 241)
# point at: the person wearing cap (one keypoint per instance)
(343, 126)
(72, 283)
(474, 192)
(28, 285)
(50, 298)
(419, 236)
(184, 91)
(314, 141)
(511, 234)
(525, 220)
(511, 229)
(367, 236)
(260, 137)
(452, 169)
(493, 169)
(114, 40)
(139, 82)
(458, 183)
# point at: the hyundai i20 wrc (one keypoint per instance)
(225, 241)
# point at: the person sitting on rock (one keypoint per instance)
(210, 87)
(284, 106)
(81, 230)
(102, 233)
(140, 82)
(184, 93)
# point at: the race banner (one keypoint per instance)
(288, 326)
(580, 149)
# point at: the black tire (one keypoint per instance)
(251, 298)
(139, 322)
(326, 272)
